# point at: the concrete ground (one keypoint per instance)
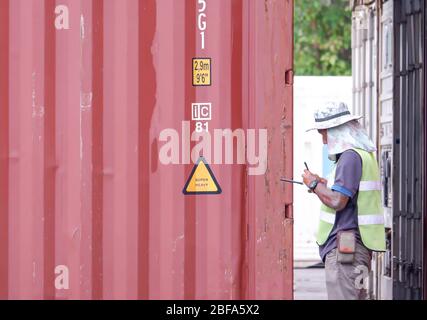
(309, 284)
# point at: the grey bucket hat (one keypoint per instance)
(332, 114)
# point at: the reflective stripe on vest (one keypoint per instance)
(370, 186)
(367, 219)
(327, 217)
(363, 220)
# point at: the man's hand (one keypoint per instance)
(309, 177)
(334, 200)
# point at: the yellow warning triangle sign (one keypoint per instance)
(201, 180)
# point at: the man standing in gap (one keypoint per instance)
(351, 222)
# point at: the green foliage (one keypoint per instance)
(322, 30)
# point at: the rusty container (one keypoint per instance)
(88, 210)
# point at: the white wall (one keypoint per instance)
(309, 94)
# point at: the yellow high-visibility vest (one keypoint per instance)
(369, 209)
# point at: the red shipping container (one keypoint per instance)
(88, 210)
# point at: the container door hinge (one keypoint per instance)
(289, 77)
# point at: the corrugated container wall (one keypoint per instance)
(88, 91)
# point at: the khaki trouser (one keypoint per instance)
(348, 281)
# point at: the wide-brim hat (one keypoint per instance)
(332, 114)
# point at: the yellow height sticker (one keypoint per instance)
(202, 71)
(201, 180)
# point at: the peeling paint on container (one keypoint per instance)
(89, 196)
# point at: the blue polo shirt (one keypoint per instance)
(347, 179)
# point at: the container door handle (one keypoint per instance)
(288, 211)
(289, 77)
